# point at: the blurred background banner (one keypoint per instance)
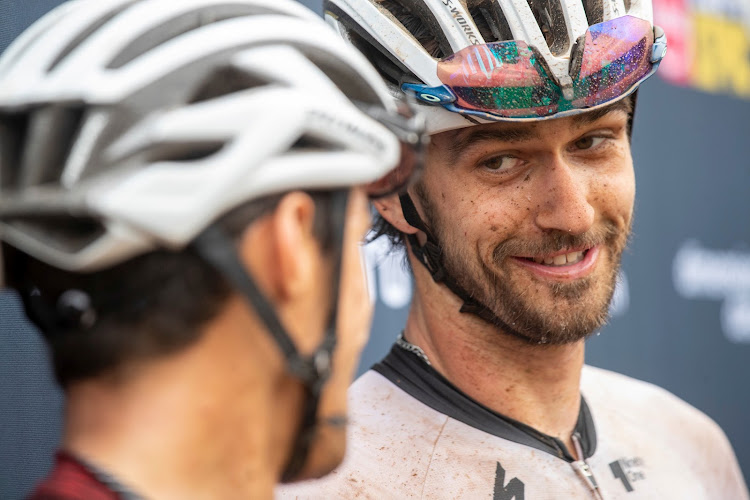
(709, 44)
(681, 314)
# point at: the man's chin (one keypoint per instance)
(564, 321)
(565, 333)
(553, 312)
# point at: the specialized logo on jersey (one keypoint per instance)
(629, 471)
(514, 490)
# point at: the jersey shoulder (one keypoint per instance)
(608, 391)
(627, 409)
(390, 439)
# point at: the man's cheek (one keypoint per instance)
(614, 198)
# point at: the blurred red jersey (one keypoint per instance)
(72, 480)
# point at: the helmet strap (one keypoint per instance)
(430, 255)
(313, 371)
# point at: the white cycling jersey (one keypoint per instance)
(415, 435)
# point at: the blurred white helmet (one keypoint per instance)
(474, 61)
(146, 120)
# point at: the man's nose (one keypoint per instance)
(563, 202)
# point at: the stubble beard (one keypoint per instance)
(578, 308)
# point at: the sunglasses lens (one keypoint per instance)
(508, 80)
(503, 78)
(616, 56)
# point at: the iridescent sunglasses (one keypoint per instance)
(509, 80)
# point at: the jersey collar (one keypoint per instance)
(413, 374)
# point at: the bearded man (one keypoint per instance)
(515, 234)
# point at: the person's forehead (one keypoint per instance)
(454, 141)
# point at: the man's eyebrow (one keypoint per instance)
(515, 134)
(521, 133)
(592, 116)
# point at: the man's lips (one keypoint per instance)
(567, 264)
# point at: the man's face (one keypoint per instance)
(352, 330)
(533, 218)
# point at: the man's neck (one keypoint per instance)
(190, 426)
(538, 385)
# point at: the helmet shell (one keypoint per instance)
(405, 39)
(127, 125)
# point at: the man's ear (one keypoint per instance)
(390, 209)
(281, 248)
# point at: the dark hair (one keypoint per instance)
(382, 228)
(414, 25)
(150, 306)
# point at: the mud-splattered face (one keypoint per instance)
(533, 218)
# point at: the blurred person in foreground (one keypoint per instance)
(184, 188)
(515, 233)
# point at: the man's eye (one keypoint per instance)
(589, 142)
(500, 163)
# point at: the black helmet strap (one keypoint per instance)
(431, 256)
(218, 249)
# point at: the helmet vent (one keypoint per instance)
(490, 20)
(309, 143)
(86, 34)
(351, 83)
(551, 21)
(393, 70)
(35, 145)
(224, 81)
(50, 137)
(594, 11)
(13, 130)
(65, 233)
(181, 151)
(390, 68)
(419, 29)
(180, 25)
(482, 20)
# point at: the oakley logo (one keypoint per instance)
(462, 21)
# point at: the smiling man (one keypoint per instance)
(515, 234)
(551, 205)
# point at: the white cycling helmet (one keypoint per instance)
(128, 126)
(153, 118)
(476, 61)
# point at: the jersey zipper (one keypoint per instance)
(583, 469)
